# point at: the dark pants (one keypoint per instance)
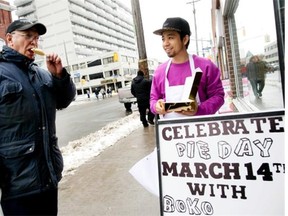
(257, 87)
(128, 107)
(260, 85)
(45, 203)
(142, 107)
(254, 87)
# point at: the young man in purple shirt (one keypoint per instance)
(169, 78)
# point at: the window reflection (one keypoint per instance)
(260, 80)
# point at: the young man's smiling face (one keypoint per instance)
(172, 43)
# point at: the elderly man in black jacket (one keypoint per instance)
(141, 90)
(30, 159)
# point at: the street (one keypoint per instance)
(86, 116)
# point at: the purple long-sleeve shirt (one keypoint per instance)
(211, 92)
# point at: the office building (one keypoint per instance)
(112, 70)
(81, 28)
(271, 53)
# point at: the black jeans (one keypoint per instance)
(142, 107)
(257, 86)
(45, 203)
(260, 85)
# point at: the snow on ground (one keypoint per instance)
(77, 152)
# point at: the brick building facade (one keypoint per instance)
(5, 17)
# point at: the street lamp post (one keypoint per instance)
(195, 24)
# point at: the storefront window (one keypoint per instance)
(258, 50)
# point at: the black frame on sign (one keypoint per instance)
(197, 119)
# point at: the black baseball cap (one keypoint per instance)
(174, 24)
(24, 24)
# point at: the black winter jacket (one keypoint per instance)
(141, 88)
(30, 159)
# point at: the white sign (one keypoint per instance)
(222, 165)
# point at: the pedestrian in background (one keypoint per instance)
(140, 88)
(251, 68)
(103, 93)
(30, 159)
(97, 93)
(169, 78)
(256, 74)
(109, 92)
(88, 93)
(262, 69)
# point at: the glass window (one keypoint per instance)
(96, 76)
(75, 67)
(126, 71)
(131, 59)
(76, 79)
(82, 65)
(108, 74)
(108, 60)
(94, 63)
(259, 63)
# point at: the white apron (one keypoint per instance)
(174, 93)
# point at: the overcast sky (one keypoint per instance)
(154, 13)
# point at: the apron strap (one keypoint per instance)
(192, 68)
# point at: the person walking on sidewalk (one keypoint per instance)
(169, 78)
(252, 74)
(140, 88)
(88, 94)
(103, 92)
(261, 75)
(31, 163)
(97, 93)
(256, 74)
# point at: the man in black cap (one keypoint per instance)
(30, 160)
(169, 78)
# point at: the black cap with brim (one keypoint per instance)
(174, 24)
(24, 24)
(160, 31)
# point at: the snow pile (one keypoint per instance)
(79, 151)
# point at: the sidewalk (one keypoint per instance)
(104, 186)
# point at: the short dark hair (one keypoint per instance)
(140, 73)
